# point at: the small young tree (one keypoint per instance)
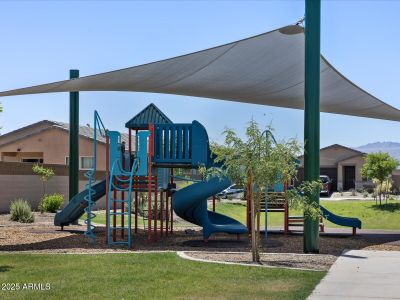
(44, 174)
(256, 162)
(385, 188)
(378, 167)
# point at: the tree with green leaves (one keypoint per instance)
(379, 166)
(45, 174)
(256, 162)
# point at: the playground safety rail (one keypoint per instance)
(98, 125)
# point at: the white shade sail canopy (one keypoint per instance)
(267, 69)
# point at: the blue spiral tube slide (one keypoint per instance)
(190, 203)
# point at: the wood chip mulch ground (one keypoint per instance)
(43, 237)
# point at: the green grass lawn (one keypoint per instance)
(372, 216)
(101, 219)
(148, 276)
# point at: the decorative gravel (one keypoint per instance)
(318, 262)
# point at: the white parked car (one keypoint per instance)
(233, 190)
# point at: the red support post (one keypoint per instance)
(286, 210)
(136, 211)
(166, 213)
(122, 215)
(155, 207)
(136, 193)
(107, 181)
(122, 203)
(162, 212)
(172, 210)
(286, 218)
(115, 216)
(149, 179)
(213, 203)
(130, 147)
(149, 210)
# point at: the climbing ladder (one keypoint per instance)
(98, 128)
(119, 181)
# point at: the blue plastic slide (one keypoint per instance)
(342, 221)
(190, 203)
(75, 208)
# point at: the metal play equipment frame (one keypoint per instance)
(149, 169)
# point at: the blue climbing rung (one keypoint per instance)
(115, 171)
(120, 201)
(119, 243)
(119, 213)
(119, 228)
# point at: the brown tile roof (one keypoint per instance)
(84, 131)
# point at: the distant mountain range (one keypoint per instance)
(390, 147)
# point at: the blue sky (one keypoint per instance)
(42, 40)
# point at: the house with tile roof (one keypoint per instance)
(48, 141)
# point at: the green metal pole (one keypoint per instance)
(73, 139)
(312, 114)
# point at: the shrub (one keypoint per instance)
(21, 211)
(365, 194)
(51, 203)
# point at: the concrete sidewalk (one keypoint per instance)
(362, 274)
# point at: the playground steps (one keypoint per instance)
(112, 227)
(299, 221)
(276, 202)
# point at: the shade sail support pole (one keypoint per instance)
(312, 114)
(73, 139)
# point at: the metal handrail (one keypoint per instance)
(98, 124)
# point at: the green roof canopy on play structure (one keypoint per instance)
(151, 114)
(277, 68)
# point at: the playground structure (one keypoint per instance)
(145, 173)
(149, 170)
(276, 201)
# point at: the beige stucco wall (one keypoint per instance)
(54, 144)
(17, 180)
(30, 188)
